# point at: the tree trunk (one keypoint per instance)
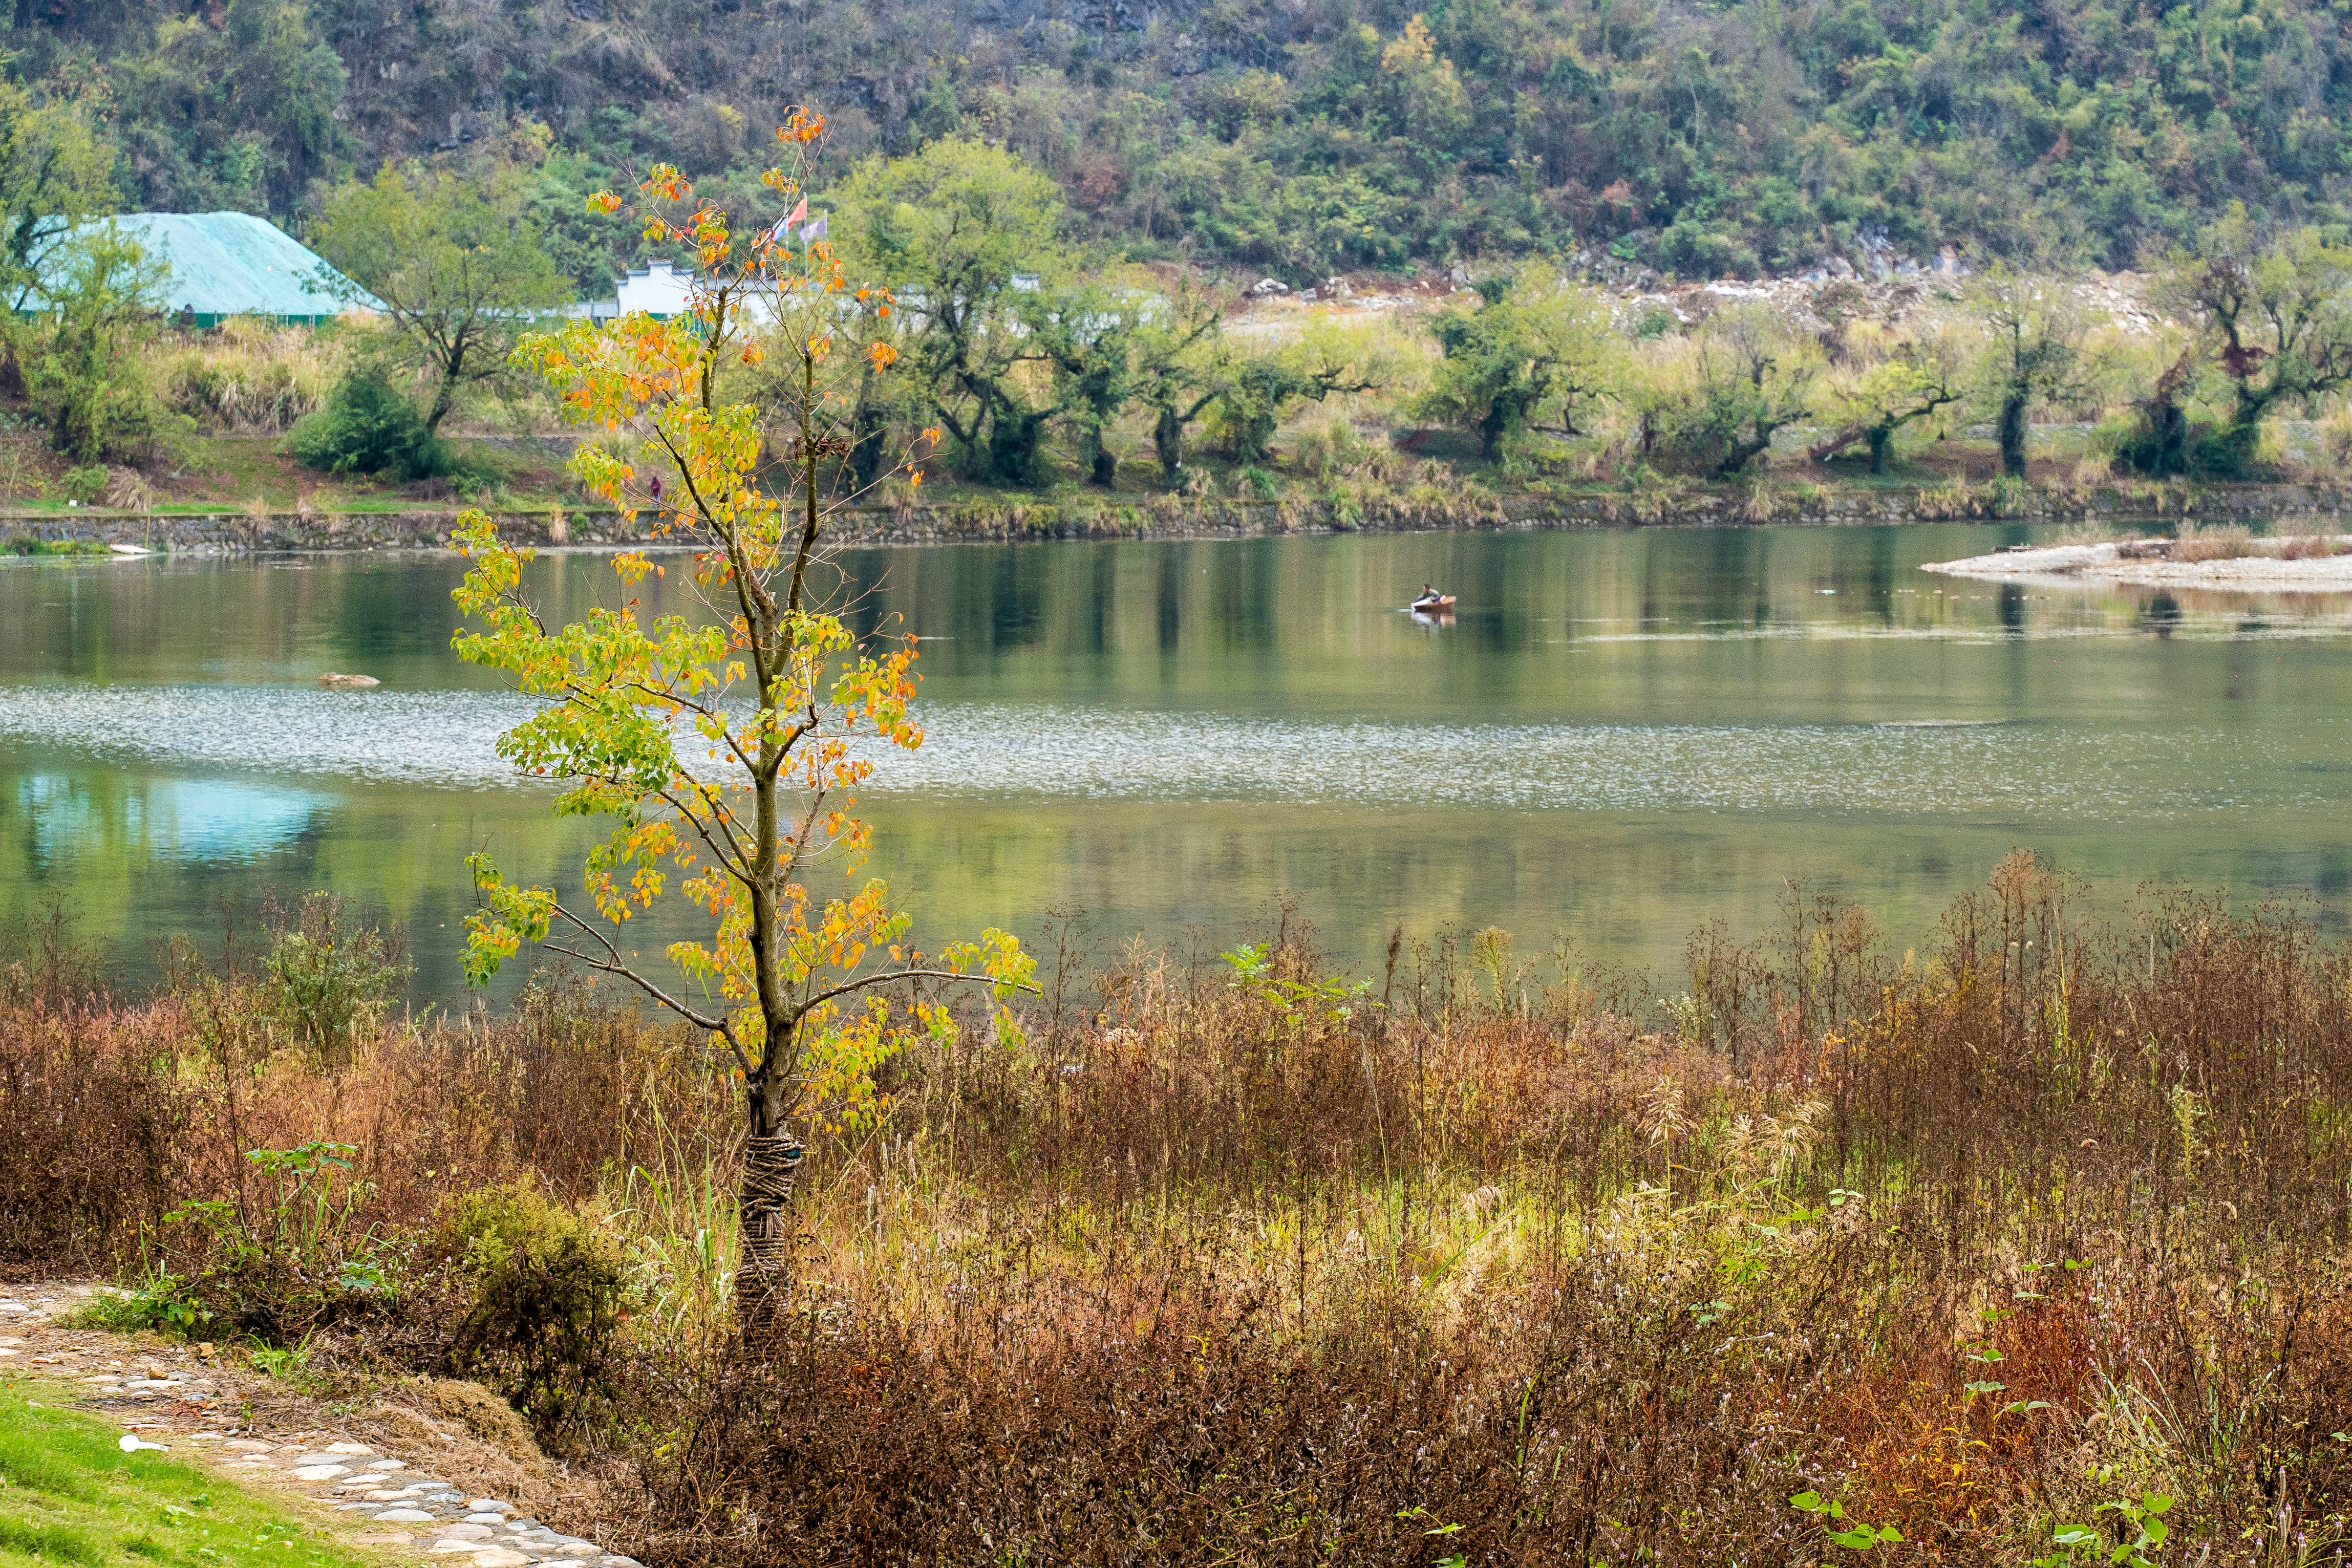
(1168, 442)
(763, 1272)
(1491, 428)
(1823, 451)
(1102, 464)
(1882, 441)
(443, 400)
(866, 454)
(1743, 451)
(2013, 434)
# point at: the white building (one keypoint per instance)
(658, 288)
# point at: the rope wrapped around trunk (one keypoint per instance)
(771, 1163)
(763, 1275)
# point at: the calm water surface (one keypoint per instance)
(1623, 735)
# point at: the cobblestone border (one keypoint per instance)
(176, 1399)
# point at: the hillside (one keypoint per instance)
(1296, 137)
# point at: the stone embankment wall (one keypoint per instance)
(1423, 509)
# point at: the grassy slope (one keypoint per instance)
(70, 1495)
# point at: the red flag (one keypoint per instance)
(799, 213)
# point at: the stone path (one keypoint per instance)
(181, 1399)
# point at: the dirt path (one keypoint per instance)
(442, 1471)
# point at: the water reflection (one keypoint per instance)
(1621, 734)
(66, 816)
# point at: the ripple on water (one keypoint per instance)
(1916, 766)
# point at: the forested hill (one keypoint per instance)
(1297, 136)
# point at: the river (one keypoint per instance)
(1621, 736)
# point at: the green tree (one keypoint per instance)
(2274, 314)
(1886, 383)
(720, 743)
(1521, 360)
(2034, 355)
(456, 261)
(1091, 342)
(1181, 366)
(971, 238)
(56, 174)
(1747, 379)
(102, 294)
(1259, 393)
(234, 106)
(369, 426)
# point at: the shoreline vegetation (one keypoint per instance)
(2034, 1234)
(1522, 398)
(1427, 503)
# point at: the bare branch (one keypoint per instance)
(613, 963)
(890, 977)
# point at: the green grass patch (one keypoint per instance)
(68, 1494)
(25, 544)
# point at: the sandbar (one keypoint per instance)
(2138, 563)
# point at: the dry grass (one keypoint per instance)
(2219, 542)
(1221, 1263)
(249, 378)
(2307, 539)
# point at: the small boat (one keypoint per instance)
(1432, 603)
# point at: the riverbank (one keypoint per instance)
(1434, 500)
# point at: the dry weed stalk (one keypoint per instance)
(1274, 1267)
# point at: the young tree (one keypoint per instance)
(56, 174)
(456, 261)
(99, 300)
(1888, 385)
(721, 744)
(2275, 313)
(2035, 355)
(971, 238)
(1522, 361)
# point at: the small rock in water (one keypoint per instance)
(337, 678)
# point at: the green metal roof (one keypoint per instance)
(233, 264)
